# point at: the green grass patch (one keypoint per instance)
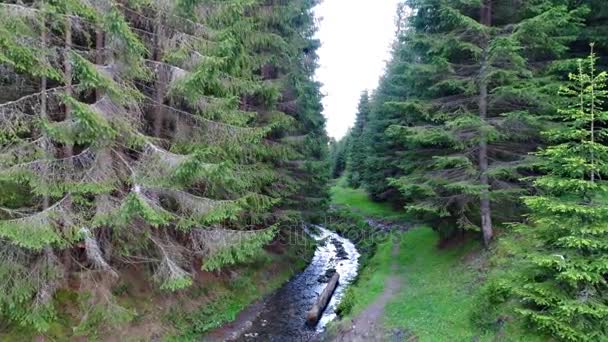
(436, 299)
(358, 201)
(441, 290)
(437, 295)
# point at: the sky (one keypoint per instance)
(356, 36)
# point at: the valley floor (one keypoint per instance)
(414, 289)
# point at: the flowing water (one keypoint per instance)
(283, 317)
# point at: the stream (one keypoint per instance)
(283, 316)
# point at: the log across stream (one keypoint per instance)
(314, 314)
(283, 316)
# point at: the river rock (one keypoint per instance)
(341, 253)
(324, 278)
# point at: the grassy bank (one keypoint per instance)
(214, 299)
(351, 207)
(234, 294)
(357, 201)
(437, 298)
(370, 282)
(442, 294)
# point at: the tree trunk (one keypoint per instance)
(485, 208)
(159, 117)
(68, 148)
(99, 56)
(104, 155)
(47, 153)
(312, 317)
(592, 86)
(43, 105)
(67, 73)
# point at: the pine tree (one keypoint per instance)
(478, 72)
(169, 131)
(384, 154)
(564, 293)
(338, 151)
(358, 148)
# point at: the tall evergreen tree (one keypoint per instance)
(339, 155)
(358, 144)
(565, 290)
(384, 153)
(173, 132)
(473, 114)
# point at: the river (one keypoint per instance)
(283, 315)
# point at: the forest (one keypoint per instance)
(165, 138)
(490, 122)
(164, 163)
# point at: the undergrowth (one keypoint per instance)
(185, 316)
(495, 305)
(234, 295)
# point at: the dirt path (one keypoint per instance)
(367, 326)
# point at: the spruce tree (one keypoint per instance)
(338, 151)
(358, 147)
(384, 154)
(151, 130)
(472, 117)
(564, 292)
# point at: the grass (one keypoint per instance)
(368, 286)
(357, 200)
(440, 291)
(437, 298)
(442, 297)
(370, 282)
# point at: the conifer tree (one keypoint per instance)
(384, 154)
(358, 146)
(338, 151)
(472, 116)
(155, 130)
(564, 292)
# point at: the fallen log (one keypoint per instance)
(315, 312)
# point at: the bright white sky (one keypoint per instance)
(356, 36)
